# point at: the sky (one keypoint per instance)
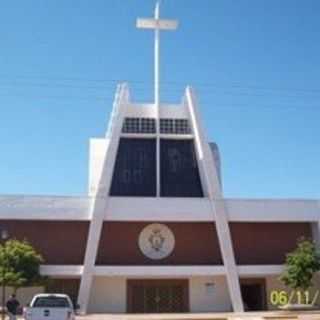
(254, 65)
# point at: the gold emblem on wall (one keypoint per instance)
(156, 241)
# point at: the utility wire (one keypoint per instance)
(109, 99)
(177, 91)
(135, 82)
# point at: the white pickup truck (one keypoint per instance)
(46, 306)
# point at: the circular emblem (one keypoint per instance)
(156, 241)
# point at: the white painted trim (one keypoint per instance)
(163, 271)
(99, 206)
(139, 135)
(158, 271)
(158, 165)
(159, 209)
(24, 207)
(199, 209)
(272, 210)
(161, 136)
(259, 270)
(52, 208)
(210, 179)
(61, 271)
(149, 111)
(176, 136)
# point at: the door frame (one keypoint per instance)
(181, 282)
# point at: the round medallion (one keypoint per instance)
(156, 241)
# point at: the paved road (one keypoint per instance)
(271, 315)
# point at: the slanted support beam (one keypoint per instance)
(100, 201)
(213, 191)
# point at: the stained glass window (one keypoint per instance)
(179, 169)
(135, 168)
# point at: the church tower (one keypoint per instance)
(156, 219)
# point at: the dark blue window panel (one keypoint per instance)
(179, 169)
(135, 168)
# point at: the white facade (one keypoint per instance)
(211, 287)
(109, 295)
(99, 284)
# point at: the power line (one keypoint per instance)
(110, 99)
(206, 92)
(106, 91)
(233, 85)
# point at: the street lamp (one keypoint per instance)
(4, 234)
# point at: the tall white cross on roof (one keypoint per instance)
(157, 24)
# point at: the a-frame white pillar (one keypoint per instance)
(211, 185)
(100, 200)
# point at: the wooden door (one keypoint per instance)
(157, 296)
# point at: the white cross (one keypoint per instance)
(157, 24)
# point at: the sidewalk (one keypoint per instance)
(270, 315)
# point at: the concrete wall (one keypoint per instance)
(195, 244)
(24, 295)
(273, 283)
(268, 243)
(108, 295)
(209, 294)
(56, 234)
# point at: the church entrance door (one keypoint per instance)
(157, 296)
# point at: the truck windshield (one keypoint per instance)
(51, 302)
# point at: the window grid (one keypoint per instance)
(131, 125)
(167, 126)
(182, 126)
(148, 125)
(174, 126)
(139, 125)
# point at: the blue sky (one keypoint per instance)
(254, 64)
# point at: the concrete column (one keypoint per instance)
(315, 226)
(100, 201)
(210, 180)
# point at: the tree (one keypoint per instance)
(301, 265)
(19, 264)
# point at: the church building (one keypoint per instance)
(155, 233)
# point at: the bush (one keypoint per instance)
(301, 265)
(19, 264)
